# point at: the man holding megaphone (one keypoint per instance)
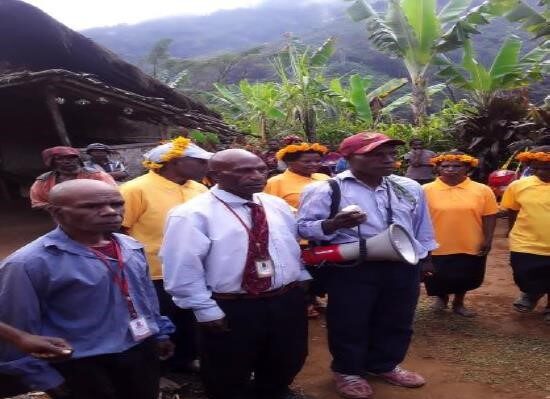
(373, 227)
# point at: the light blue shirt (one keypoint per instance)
(407, 202)
(205, 248)
(55, 286)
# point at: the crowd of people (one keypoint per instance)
(164, 273)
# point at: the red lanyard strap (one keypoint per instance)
(118, 275)
(234, 213)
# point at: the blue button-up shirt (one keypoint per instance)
(407, 203)
(57, 287)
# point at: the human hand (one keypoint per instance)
(485, 249)
(343, 220)
(427, 268)
(165, 349)
(49, 348)
(60, 392)
(215, 326)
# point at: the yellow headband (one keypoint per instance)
(302, 147)
(156, 158)
(527, 157)
(473, 162)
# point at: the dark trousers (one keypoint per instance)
(369, 315)
(267, 336)
(11, 386)
(186, 336)
(132, 374)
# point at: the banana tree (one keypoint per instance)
(508, 70)
(258, 102)
(415, 32)
(303, 83)
(356, 98)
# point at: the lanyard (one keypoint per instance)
(241, 221)
(118, 276)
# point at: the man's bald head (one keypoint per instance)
(86, 206)
(66, 192)
(239, 172)
(228, 158)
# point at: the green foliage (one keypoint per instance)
(412, 31)
(207, 139)
(488, 130)
(508, 71)
(434, 132)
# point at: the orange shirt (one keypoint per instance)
(457, 213)
(44, 183)
(289, 186)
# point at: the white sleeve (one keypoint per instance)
(183, 251)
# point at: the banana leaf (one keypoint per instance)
(407, 99)
(452, 11)
(321, 56)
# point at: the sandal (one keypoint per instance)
(352, 386)
(525, 303)
(463, 311)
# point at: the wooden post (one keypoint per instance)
(57, 118)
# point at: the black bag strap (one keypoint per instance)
(335, 197)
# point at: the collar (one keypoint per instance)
(295, 176)
(441, 185)
(59, 239)
(230, 198)
(538, 181)
(348, 175)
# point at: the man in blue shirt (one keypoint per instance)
(91, 287)
(370, 305)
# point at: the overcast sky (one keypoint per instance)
(82, 14)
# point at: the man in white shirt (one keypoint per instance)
(231, 256)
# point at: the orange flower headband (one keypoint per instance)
(527, 157)
(473, 162)
(302, 147)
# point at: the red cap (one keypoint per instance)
(363, 142)
(49, 153)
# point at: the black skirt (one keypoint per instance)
(455, 274)
(531, 272)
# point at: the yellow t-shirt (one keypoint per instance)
(457, 212)
(148, 199)
(289, 185)
(529, 196)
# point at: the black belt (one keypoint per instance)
(267, 294)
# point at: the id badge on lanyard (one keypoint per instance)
(138, 325)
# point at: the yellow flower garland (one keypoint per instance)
(302, 147)
(527, 157)
(473, 162)
(179, 145)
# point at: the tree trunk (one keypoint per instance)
(263, 129)
(309, 125)
(419, 99)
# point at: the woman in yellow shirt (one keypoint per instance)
(303, 161)
(528, 204)
(463, 214)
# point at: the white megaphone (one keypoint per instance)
(393, 244)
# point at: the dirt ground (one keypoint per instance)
(499, 354)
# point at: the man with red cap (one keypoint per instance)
(65, 164)
(371, 303)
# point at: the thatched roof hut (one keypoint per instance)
(59, 87)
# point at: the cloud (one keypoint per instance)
(79, 14)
